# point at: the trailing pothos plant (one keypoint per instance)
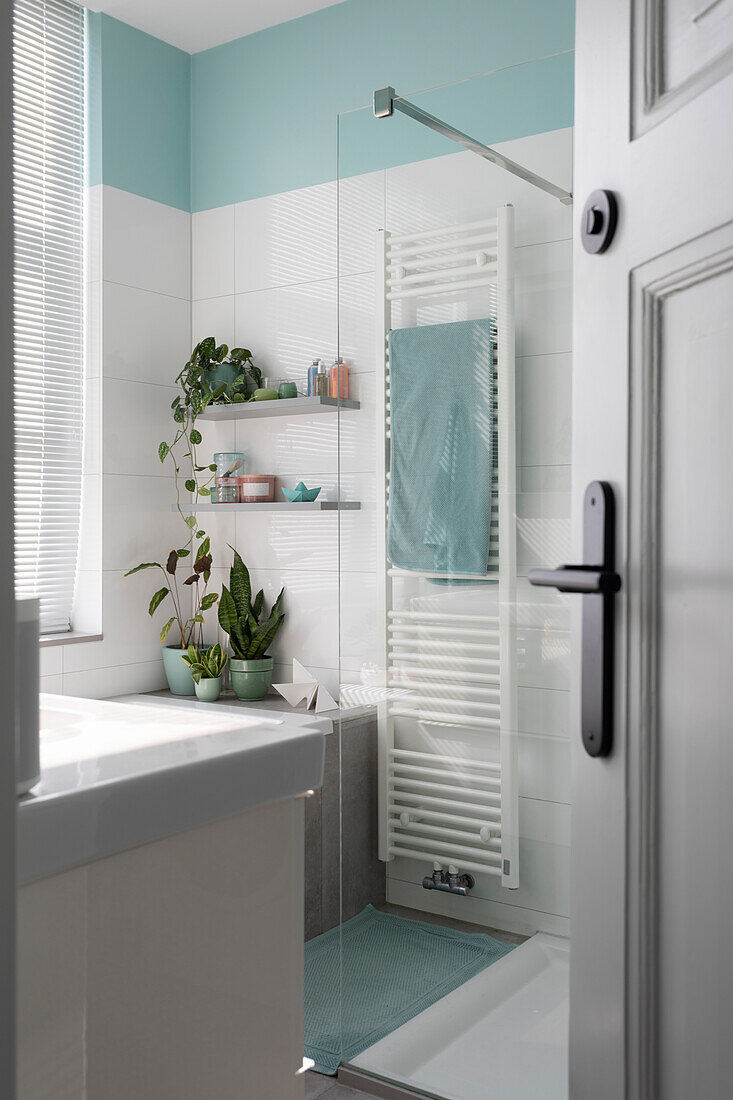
(250, 627)
(190, 626)
(199, 388)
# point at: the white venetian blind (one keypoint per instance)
(48, 207)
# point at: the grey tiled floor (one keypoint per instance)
(316, 1085)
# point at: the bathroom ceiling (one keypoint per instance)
(192, 25)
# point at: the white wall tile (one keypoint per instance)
(287, 327)
(544, 280)
(361, 213)
(310, 541)
(213, 317)
(307, 446)
(51, 685)
(105, 683)
(146, 335)
(146, 244)
(137, 417)
(285, 238)
(544, 410)
(543, 530)
(461, 187)
(50, 660)
(212, 251)
(130, 635)
(139, 524)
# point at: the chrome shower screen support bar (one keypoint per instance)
(386, 102)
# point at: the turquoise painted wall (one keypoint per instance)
(258, 115)
(263, 107)
(139, 113)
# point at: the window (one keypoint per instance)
(48, 207)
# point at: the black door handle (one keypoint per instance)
(576, 578)
(598, 583)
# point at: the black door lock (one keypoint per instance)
(598, 583)
(598, 221)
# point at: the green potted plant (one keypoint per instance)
(214, 373)
(251, 631)
(190, 626)
(207, 666)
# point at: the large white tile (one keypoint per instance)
(213, 317)
(461, 187)
(544, 410)
(360, 215)
(137, 418)
(543, 289)
(131, 636)
(50, 660)
(311, 630)
(285, 238)
(146, 244)
(314, 541)
(139, 524)
(543, 530)
(146, 335)
(105, 683)
(543, 658)
(288, 327)
(311, 445)
(51, 685)
(212, 252)
(544, 767)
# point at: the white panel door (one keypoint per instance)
(652, 894)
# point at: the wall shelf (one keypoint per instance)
(278, 506)
(288, 406)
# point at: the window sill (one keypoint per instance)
(70, 638)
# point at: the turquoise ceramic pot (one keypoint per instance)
(223, 372)
(180, 680)
(251, 679)
(178, 674)
(208, 691)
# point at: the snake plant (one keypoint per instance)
(205, 664)
(250, 627)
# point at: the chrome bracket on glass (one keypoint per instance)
(386, 102)
(598, 583)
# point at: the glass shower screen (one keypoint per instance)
(454, 300)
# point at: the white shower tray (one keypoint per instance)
(503, 1034)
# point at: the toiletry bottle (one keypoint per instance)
(321, 384)
(313, 371)
(339, 379)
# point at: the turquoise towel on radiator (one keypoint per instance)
(443, 448)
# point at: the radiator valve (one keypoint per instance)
(450, 881)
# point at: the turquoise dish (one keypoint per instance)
(300, 494)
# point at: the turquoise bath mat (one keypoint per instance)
(391, 969)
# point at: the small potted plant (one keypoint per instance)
(207, 666)
(251, 631)
(190, 626)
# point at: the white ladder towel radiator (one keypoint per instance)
(432, 807)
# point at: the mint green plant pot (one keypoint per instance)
(208, 691)
(178, 674)
(251, 679)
